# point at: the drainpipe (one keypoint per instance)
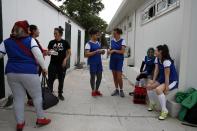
(134, 37)
(2, 79)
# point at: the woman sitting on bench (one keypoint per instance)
(165, 79)
(147, 67)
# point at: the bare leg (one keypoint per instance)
(119, 79)
(116, 92)
(115, 79)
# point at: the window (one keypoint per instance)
(171, 2)
(148, 13)
(125, 28)
(151, 12)
(130, 24)
(145, 16)
(128, 18)
(161, 5)
(157, 8)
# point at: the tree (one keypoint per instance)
(86, 13)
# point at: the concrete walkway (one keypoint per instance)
(81, 112)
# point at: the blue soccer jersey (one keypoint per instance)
(94, 61)
(162, 66)
(116, 60)
(150, 64)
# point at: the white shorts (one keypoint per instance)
(173, 85)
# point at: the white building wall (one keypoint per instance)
(166, 29)
(45, 17)
(188, 72)
(176, 28)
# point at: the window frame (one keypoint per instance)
(157, 5)
(167, 9)
(146, 12)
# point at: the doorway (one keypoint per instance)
(68, 38)
(79, 48)
(2, 79)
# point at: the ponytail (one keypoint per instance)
(60, 30)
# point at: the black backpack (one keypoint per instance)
(191, 115)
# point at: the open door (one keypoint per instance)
(79, 47)
(68, 38)
(2, 80)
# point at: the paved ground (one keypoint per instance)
(81, 112)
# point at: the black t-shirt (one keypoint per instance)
(61, 47)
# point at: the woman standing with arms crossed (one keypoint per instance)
(116, 61)
(57, 66)
(22, 73)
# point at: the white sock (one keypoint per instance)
(150, 96)
(162, 100)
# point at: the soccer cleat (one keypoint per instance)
(163, 115)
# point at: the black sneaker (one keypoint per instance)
(131, 93)
(61, 97)
(122, 93)
(115, 93)
(9, 101)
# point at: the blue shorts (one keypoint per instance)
(116, 64)
(95, 68)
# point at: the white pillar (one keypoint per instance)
(188, 64)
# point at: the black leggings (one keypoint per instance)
(98, 80)
(141, 76)
(56, 72)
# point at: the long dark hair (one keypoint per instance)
(32, 28)
(165, 53)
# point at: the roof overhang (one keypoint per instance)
(127, 7)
